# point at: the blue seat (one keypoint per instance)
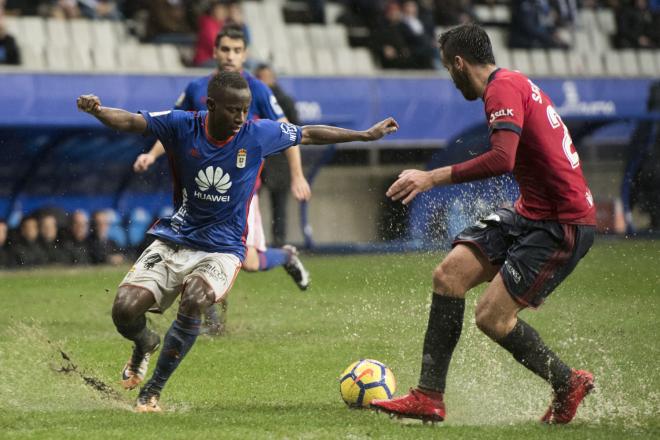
(116, 231)
(139, 221)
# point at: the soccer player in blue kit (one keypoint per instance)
(230, 54)
(216, 157)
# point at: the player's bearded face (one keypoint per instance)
(461, 79)
(462, 83)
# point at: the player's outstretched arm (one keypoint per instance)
(115, 118)
(412, 182)
(324, 134)
(299, 185)
(145, 160)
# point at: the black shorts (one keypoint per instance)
(534, 256)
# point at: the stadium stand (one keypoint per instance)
(332, 73)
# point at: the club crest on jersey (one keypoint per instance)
(241, 158)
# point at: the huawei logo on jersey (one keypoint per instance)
(212, 178)
(505, 112)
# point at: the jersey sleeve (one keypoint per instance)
(505, 107)
(166, 125)
(267, 105)
(276, 136)
(184, 102)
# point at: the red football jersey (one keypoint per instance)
(547, 167)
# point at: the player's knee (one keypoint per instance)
(124, 308)
(197, 296)
(250, 265)
(446, 283)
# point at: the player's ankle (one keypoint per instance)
(432, 394)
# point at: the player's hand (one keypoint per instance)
(300, 189)
(383, 128)
(89, 104)
(409, 184)
(143, 162)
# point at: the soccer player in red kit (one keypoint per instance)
(524, 252)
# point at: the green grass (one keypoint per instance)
(275, 374)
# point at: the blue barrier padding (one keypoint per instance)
(427, 108)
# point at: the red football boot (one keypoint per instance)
(414, 405)
(566, 402)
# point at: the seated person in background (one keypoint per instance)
(9, 53)
(389, 41)
(64, 9)
(102, 249)
(100, 9)
(168, 21)
(77, 245)
(534, 25)
(209, 25)
(5, 256)
(50, 242)
(25, 250)
(635, 25)
(23, 7)
(453, 12)
(419, 35)
(235, 18)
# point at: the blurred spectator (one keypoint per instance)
(209, 25)
(9, 53)
(50, 241)
(168, 21)
(77, 245)
(24, 7)
(635, 26)
(453, 12)
(100, 9)
(101, 248)
(64, 9)
(5, 256)
(316, 10)
(534, 25)
(25, 249)
(363, 13)
(419, 35)
(235, 17)
(275, 174)
(389, 40)
(644, 163)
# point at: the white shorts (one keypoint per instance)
(256, 237)
(164, 269)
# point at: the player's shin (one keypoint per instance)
(179, 339)
(442, 335)
(527, 347)
(273, 257)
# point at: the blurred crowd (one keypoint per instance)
(53, 237)
(400, 33)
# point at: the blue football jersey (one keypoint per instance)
(213, 180)
(264, 105)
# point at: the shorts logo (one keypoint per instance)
(505, 112)
(514, 273)
(151, 260)
(213, 272)
(241, 158)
